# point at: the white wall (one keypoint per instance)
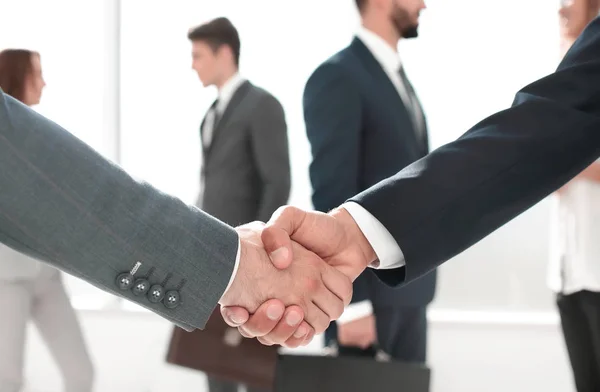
(129, 348)
(77, 43)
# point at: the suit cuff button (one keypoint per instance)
(156, 293)
(172, 299)
(125, 281)
(141, 287)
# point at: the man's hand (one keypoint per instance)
(358, 333)
(291, 332)
(335, 237)
(318, 289)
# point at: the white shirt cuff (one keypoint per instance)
(235, 267)
(356, 311)
(389, 254)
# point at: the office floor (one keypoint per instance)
(128, 350)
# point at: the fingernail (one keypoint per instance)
(293, 318)
(279, 256)
(274, 312)
(300, 332)
(235, 318)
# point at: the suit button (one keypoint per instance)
(125, 281)
(156, 293)
(141, 287)
(172, 299)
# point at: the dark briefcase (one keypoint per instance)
(300, 373)
(222, 352)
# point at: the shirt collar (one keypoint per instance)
(386, 55)
(228, 89)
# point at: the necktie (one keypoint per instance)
(413, 106)
(212, 120)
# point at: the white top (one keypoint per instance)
(575, 239)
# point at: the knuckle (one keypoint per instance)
(311, 283)
(283, 213)
(288, 210)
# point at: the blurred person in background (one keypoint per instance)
(245, 173)
(364, 123)
(31, 290)
(574, 270)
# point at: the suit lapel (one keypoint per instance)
(390, 93)
(234, 102)
(377, 72)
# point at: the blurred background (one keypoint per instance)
(118, 76)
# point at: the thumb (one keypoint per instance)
(234, 316)
(277, 232)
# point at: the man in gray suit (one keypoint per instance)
(245, 170)
(63, 203)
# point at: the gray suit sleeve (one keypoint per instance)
(270, 147)
(64, 204)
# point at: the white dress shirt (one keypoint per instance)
(574, 246)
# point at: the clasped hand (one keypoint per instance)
(295, 275)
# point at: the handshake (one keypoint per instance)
(295, 275)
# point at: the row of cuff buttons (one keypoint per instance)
(155, 293)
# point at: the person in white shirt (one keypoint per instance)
(574, 273)
(574, 267)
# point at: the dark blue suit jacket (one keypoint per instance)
(361, 133)
(498, 169)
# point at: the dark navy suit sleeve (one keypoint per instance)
(451, 199)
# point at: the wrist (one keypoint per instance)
(233, 273)
(355, 235)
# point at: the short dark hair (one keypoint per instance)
(216, 33)
(360, 4)
(15, 67)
